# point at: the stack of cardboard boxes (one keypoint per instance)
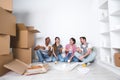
(7, 29)
(16, 36)
(23, 43)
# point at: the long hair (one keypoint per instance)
(55, 45)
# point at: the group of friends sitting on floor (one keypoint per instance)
(71, 53)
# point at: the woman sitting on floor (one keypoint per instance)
(57, 51)
(70, 50)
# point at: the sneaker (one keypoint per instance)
(56, 62)
(43, 62)
(84, 65)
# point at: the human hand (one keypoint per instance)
(78, 49)
(69, 61)
(37, 47)
(49, 48)
(81, 57)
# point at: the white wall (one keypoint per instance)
(63, 18)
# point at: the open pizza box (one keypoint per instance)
(24, 69)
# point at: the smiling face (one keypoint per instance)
(82, 40)
(57, 40)
(47, 40)
(72, 41)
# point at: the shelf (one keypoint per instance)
(115, 13)
(116, 29)
(105, 47)
(105, 55)
(107, 32)
(115, 39)
(105, 19)
(104, 4)
(115, 47)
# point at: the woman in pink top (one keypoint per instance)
(70, 50)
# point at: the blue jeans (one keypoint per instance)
(74, 59)
(88, 59)
(43, 57)
(60, 58)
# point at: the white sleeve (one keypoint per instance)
(90, 46)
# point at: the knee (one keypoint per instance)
(62, 60)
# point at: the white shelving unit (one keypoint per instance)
(109, 18)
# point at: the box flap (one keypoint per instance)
(7, 23)
(34, 31)
(6, 4)
(21, 26)
(17, 66)
(31, 29)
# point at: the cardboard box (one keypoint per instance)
(7, 23)
(17, 66)
(117, 59)
(6, 4)
(24, 37)
(24, 69)
(4, 60)
(24, 55)
(4, 44)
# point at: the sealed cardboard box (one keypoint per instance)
(24, 37)
(24, 55)
(7, 23)
(4, 44)
(6, 4)
(117, 59)
(4, 60)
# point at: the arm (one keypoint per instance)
(74, 50)
(66, 50)
(54, 52)
(61, 48)
(86, 54)
(39, 47)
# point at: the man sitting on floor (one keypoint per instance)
(44, 52)
(85, 51)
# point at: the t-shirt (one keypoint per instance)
(57, 51)
(71, 49)
(89, 46)
(46, 49)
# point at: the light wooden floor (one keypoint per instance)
(96, 73)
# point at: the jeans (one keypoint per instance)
(88, 59)
(60, 58)
(43, 57)
(74, 59)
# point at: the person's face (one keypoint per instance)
(48, 41)
(57, 40)
(82, 40)
(71, 42)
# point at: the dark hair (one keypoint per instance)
(57, 38)
(73, 39)
(54, 45)
(83, 38)
(47, 38)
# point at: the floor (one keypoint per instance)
(95, 72)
